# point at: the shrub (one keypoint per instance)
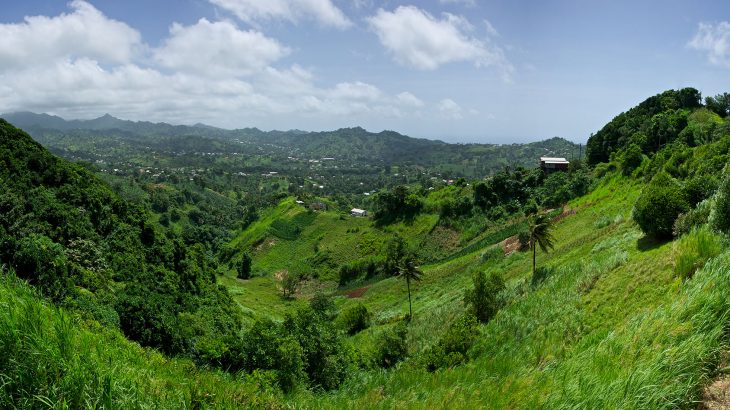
(451, 350)
(362, 268)
(492, 254)
(659, 205)
(391, 346)
(289, 283)
(43, 263)
(243, 270)
(699, 188)
(630, 159)
(326, 359)
(720, 215)
(695, 217)
(354, 318)
(694, 249)
(482, 301)
(323, 305)
(602, 169)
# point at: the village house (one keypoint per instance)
(551, 164)
(358, 212)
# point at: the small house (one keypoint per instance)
(358, 212)
(552, 164)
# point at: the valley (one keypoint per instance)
(151, 265)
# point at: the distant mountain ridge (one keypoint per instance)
(353, 144)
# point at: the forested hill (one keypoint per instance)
(673, 115)
(66, 232)
(347, 144)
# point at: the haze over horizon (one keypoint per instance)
(455, 70)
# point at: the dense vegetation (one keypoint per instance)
(264, 300)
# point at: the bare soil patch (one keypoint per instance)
(356, 293)
(716, 396)
(510, 245)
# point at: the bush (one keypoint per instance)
(492, 254)
(451, 350)
(720, 215)
(659, 205)
(693, 250)
(43, 263)
(630, 159)
(359, 269)
(483, 302)
(289, 283)
(695, 217)
(323, 305)
(354, 318)
(391, 346)
(326, 359)
(243, 270)
(267, 347)
(699, 188)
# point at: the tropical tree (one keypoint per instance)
(540, 235)
(408, 270)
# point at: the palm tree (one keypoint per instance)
(408, 270)
(540, 227)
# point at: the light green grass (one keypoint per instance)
(612, 327)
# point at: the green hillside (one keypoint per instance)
(628, 309)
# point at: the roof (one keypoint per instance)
(554, 160)
(357, 210)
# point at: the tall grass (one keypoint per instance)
(49, 359)
(659, 359)
(694, 249)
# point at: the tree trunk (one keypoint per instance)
(410, 307)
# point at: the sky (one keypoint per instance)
(487, 71)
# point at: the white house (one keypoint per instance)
(358, 212)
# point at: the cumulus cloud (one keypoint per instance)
(218, 48)
(253, 11)
(417, 39)
(450, 109)
(714, 39)
(209, 71)
(409, 100)
(84, 32)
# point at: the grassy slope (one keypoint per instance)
(50, 359)
(610, 328)
(340, 238)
